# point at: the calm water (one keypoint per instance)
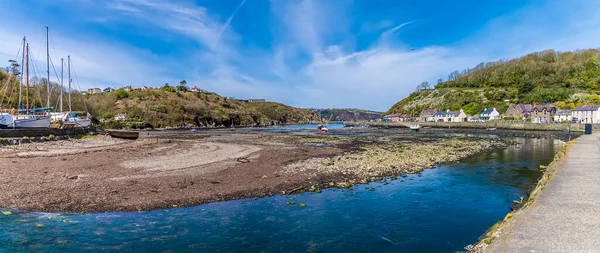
(438, 210)
(301, 127)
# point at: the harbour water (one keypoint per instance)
(439, 210)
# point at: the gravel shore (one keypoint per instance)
(174, 169)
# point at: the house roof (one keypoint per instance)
(587, 108)
(428, 111)
(488, 111)
(541, 107)
(526, 107)
(453, 113)
(563, 112)
(440, 114)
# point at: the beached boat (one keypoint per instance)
(6, 120)
(31, 121)
(123, 134)
(415, 127)
(491, 129)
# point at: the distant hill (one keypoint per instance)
(347, 114)
(567, 79)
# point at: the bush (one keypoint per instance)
(121, 94)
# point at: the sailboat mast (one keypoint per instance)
(69, 67)
(47, 69)
(27, 78)
(21, 83)
(61, 83)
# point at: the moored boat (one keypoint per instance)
(123, 134)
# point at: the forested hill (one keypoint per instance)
(347, 114)
(567, 79)
(168, 106)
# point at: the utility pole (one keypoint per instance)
(47, 69)
(61, 83)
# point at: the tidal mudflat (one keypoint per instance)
(184, 168)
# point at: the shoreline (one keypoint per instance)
(183, 170)
(496, 230)
(575, 127)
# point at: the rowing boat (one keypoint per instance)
(123, 134)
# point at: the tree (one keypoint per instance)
(14, 68)
(168, 88)
(453, 76)
(440, 81)
(594, 84)
(423, 86)
(594, 99)
(181, 86)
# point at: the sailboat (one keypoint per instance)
(29, 120)
(69, 119)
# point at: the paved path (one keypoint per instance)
(565, 216)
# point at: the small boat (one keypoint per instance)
(491, 129)
(6, 120)
(31, 121)
(123, 134)
(324, 130)
(415, 127)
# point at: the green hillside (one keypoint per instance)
(335, 114)
(165, 107)
(567, 79)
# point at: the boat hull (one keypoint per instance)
(6, 120)
(32, 122)
(123, 134)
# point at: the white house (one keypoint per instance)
(563, 115)
(489, 114)
(94, 91)
(121, 116)
(586, 114)
(457, 116)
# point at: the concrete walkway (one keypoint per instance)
(565, 216)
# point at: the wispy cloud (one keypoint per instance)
(227, 24)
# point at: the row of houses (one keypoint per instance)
(519, 112)
(130, 88)
(431, 115)
(549, 113)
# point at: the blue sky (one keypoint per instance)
(306, 53)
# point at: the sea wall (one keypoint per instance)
(39, 132)
(496, 230)
(479, 125)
